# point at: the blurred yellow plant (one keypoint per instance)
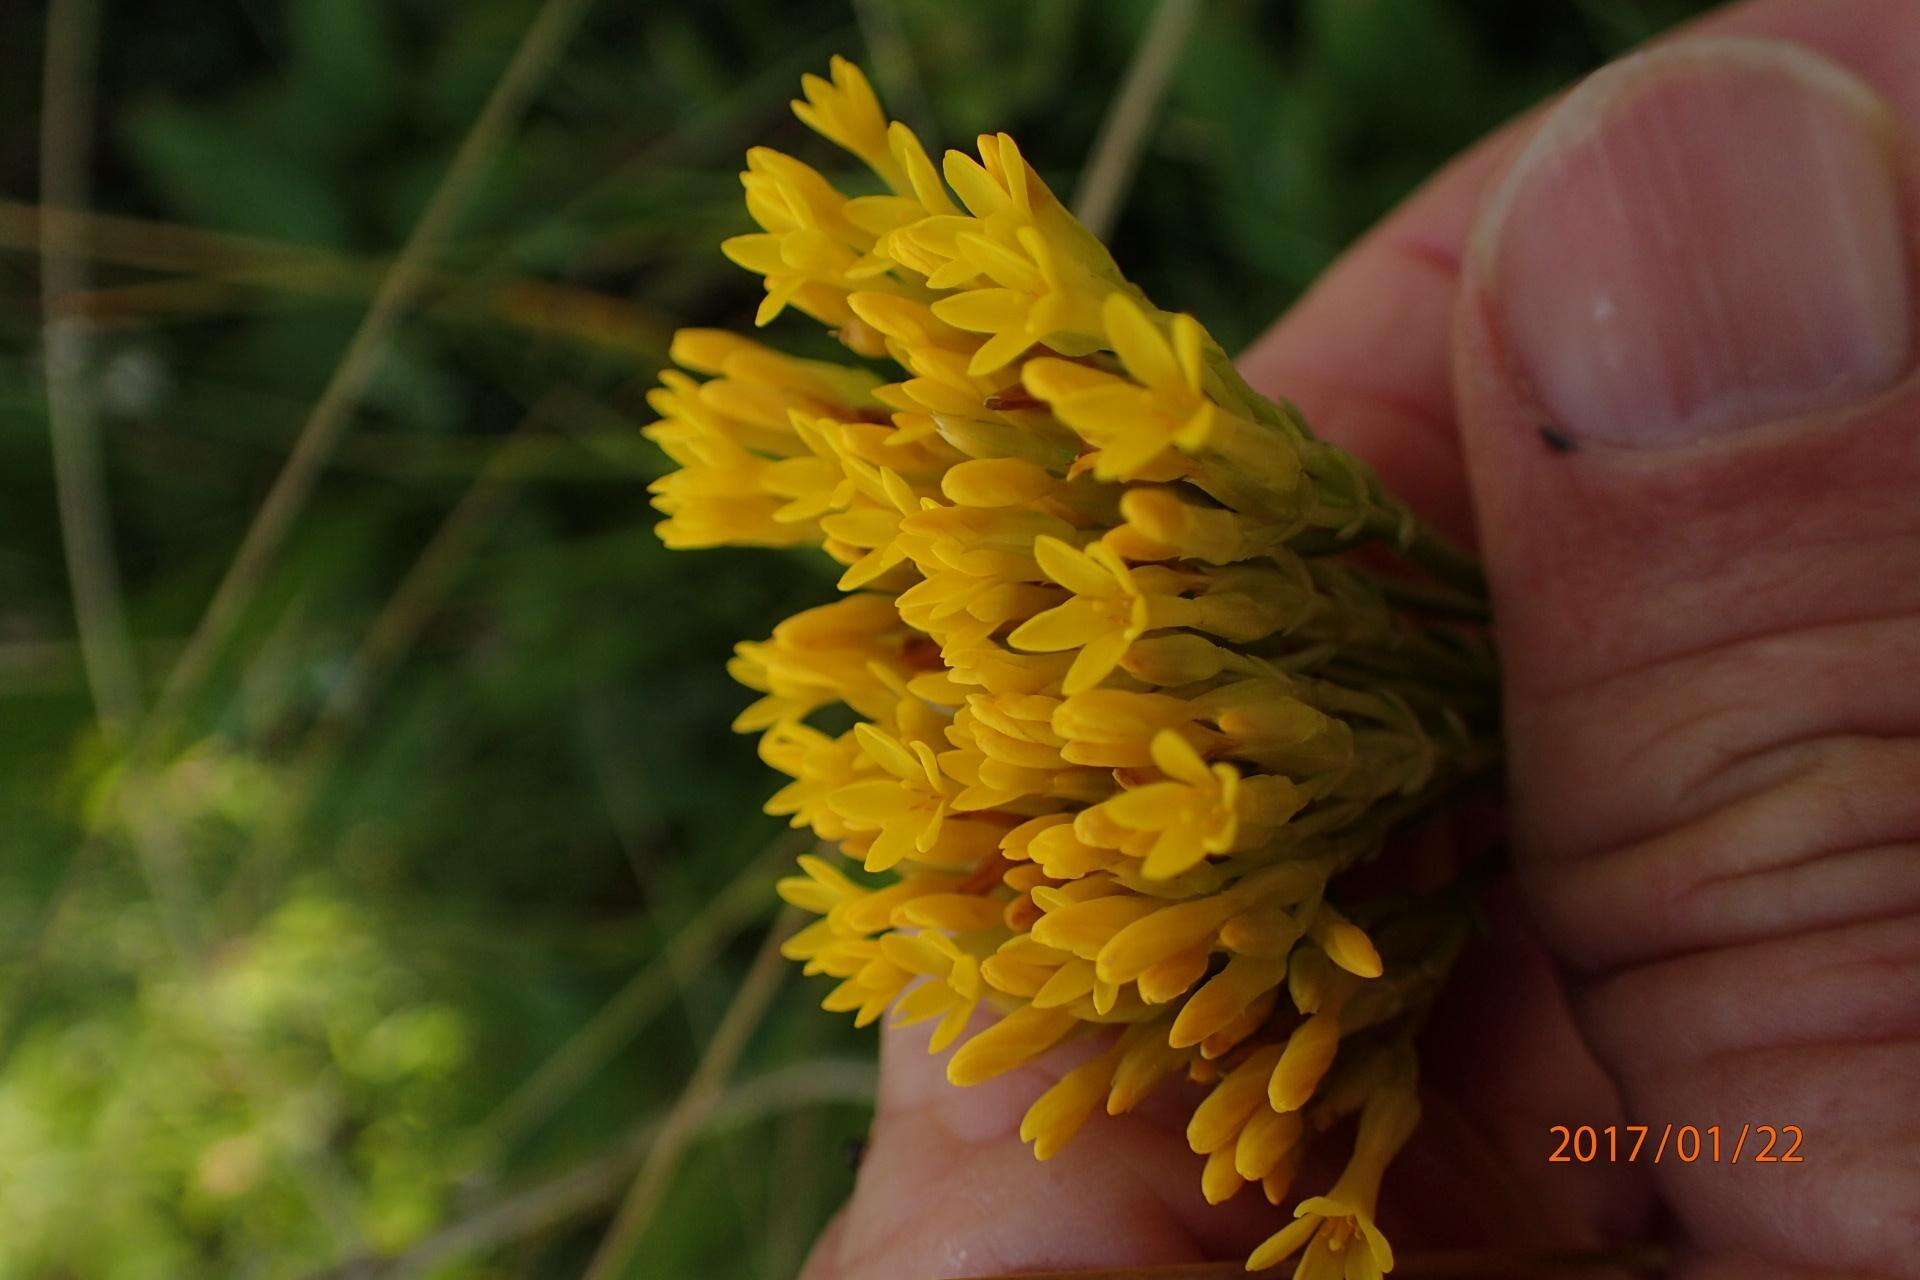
(1125, 711)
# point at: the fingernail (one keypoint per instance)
(1701, 238)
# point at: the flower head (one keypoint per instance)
(1103, 717)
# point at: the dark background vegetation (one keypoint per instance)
(276, 991)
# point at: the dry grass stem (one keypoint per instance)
(1124, 132)
(539, 49)
(86, 527)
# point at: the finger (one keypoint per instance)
(1683, 368)
(1367, 353)
(947, 1188)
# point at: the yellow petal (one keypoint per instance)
(1083, 928)
(999, 351)
(1071, 981)
(871, 803)
(1050, 379)
(1216, 1121)
(1347, 944)
(1309, 1053)
(1219, 1180)
(1282, 1244)
(974, 185)
(1189, 343)
(1174, 756)
(888, 752)
(1147, 808)
(1224, 997)
(951, 1026)
(1095, 662)
(957, 912)
(985, 310)
(1172, 977)
(1115, 413)
(1001, 264)
(1177, 849)
(1265, 1141)
(1075, 570)
(1066, 626)
(1167, 932)
(1139, 343)
(1057, 1114)
(921, 175)
(759, 254)
(1022, 1035)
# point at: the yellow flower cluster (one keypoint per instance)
(1105, 712)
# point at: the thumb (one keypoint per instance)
(1682, 356)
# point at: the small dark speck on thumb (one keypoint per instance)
(1557, 440)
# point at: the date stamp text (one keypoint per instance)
(1684, 1143)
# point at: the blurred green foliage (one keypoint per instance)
(391, 909)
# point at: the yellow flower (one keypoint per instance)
(810, 253)
(953, 992)
(748, 475)
(1337, 1229)
(834, 653)
(868, 526)
(1199, 809)
(1107, 613)
(1025, 270)
(1132, 420)
(846, 111)
(1104, 714)
(1113, 728)
(1192, 814)
(910, 809)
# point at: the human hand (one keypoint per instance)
(1654, 345)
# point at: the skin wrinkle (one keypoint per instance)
(1804, 866)
(1571, 889)
(1600, 971)
(1741, 777)
(1896, 912)
(1900, 854)
(1824, 640)
(1735, 702)
(1820, 765)
(1620, 504)
(1734, 1028)
(1724, 1083)
(1532, 687)
(1753, 758)
(1837, 782)
(1736, 764)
